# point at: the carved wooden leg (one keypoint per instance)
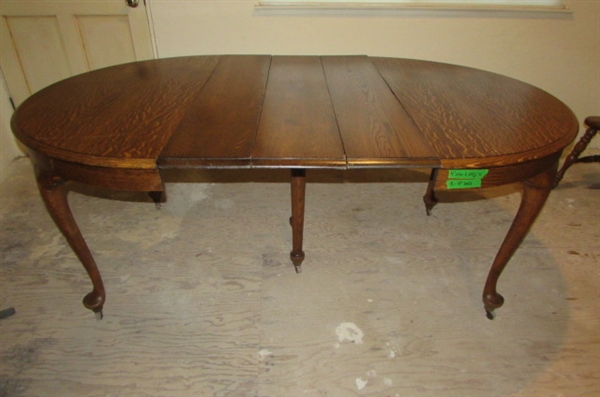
(573, 157)
(429, 198)
(297, 219)
(55, 198)
(535, 192)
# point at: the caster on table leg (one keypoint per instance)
(95, 302)
(492, 301)
(297, 258)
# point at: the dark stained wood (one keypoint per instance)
(52, 191)
(297, 219)
(220, 124)
(130, 179)
(498, 176)
(535, 192)
(298, 125)
(594, 125)
(429, 198)
(117, 127)
(115, 117)
(375, 129)
(476, 119)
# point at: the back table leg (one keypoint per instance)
(55, 198)
(297, 219)
(429, 198)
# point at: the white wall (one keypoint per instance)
(560, 55)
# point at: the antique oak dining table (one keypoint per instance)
(120, 127)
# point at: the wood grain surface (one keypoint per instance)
(374, 127)
(219, 127)
(116, 117)
(297, 111)
(474, 118)
(298, 126)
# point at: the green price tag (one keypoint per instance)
(467, 174)
(463, 183)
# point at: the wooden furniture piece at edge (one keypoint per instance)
(593, 122)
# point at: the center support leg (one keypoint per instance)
(54, 196)
(297, 219)
(535, 192)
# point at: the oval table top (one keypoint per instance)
(242, 111)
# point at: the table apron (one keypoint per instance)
(504, 175)
(144, 180)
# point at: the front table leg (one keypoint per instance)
(297, 219)
(535, 192)
(52, 190)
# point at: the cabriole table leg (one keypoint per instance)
(297, 219)
(52, 190)
(535, 192)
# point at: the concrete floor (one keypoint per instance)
(203, 300)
